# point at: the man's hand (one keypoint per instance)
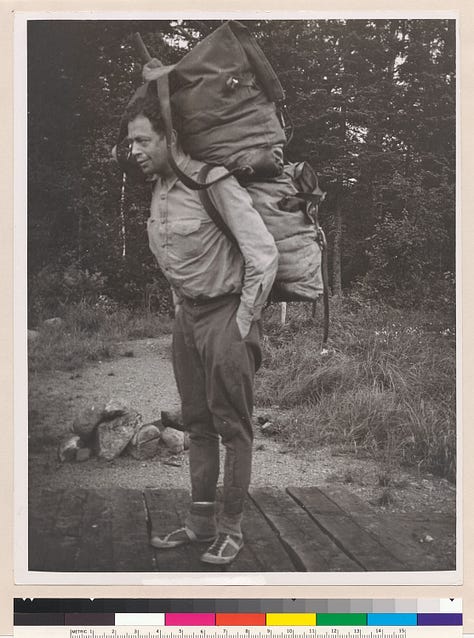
(153, 69)
(244, 322)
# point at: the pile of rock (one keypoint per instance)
(107, 431)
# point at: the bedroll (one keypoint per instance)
(288, 204)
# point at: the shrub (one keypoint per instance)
(54, 288)
(385, 385)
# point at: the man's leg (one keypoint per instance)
(230, 363)
(204, 441)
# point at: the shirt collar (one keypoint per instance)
(168, 182)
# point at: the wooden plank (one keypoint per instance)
(132, 551)
(95, 553)
(167, 511)
(61, 529)
(43, 506)
(70, 512)
(263, 550)
(310, 548)
(362, 547)
(389, 532)
(68, 529)
(441, 551)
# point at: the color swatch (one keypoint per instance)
(237, 613)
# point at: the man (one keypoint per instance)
(220, 290)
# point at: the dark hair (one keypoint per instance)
(149, 107)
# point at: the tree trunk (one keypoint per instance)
(80, 235)
(336, 249)
(123, 229)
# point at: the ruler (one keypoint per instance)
(237, 632)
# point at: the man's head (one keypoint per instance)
(147, 137)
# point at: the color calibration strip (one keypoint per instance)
(204, 618)
(240, 619)
(289, 620)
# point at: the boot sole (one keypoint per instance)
(220, 560)
(160, 544)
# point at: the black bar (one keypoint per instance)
(38, 619)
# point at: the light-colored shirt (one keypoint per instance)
(196, 257)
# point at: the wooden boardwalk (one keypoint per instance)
(317, 529)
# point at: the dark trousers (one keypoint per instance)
(214, 369)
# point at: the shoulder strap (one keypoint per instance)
(209, 207)
(324, 266)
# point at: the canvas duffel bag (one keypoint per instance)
(224, 94)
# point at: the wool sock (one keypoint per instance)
(201, 519)
(230, 524)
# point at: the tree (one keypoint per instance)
(373, 107)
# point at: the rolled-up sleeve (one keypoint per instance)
(256, 244)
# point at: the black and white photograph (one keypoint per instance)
(237, 243)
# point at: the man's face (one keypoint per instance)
(148, 147)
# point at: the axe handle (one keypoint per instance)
(141, 48)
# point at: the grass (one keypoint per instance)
(385, 386)
(91, 334)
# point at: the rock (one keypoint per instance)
(145, 443)
(186, 440)
(173, 439)
(85, 423)
(113, 436)
(268, 428)
(172, 420)
(69, 447)
(54, 322)
(174, 462)
(33, 335)
(83, 454)
(115, 407)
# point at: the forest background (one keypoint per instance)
(373, 104)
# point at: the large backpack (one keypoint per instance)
(224, 94)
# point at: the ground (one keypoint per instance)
(145, 381)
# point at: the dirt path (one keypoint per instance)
(145, 381)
